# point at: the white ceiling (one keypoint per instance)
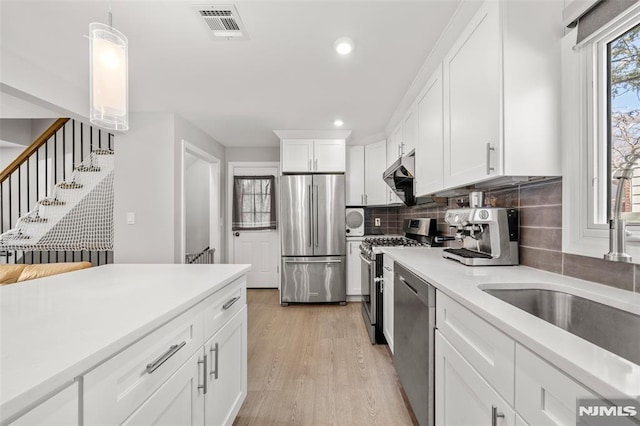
(286, 76)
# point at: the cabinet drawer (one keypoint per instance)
(545, 395)
(486, 348)
(116, 388)
(223, 305)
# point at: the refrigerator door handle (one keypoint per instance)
(310, 214)
(317, 215)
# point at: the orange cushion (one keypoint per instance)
(45, 269)
(9, 274)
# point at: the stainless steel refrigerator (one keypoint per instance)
(312, 214)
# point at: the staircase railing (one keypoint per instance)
(32, 176)
(204, 257)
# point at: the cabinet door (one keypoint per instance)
(179, 401)
(329, 156)
(472, 105)
(226, 371)
(462, 396)
(354, 176)
(429, 147)
(409, 130)
(394, 145)
(60, 409)
(297, 155)
(387, 300)
(374, 166)
(544, 395)
(354, 271)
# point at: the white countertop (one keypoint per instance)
(56, 328)
(602, 371)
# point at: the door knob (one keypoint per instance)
(237, 234)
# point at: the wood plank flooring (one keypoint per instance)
(315, 365)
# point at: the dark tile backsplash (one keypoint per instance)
(540, 208)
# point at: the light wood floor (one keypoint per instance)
(313, 365)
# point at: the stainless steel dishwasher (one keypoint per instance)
(414, 324)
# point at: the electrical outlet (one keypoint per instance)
(377, 221)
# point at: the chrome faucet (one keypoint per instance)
(617, 225)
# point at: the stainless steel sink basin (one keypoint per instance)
(610, 328)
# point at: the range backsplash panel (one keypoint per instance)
(540, 206)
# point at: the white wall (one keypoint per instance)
(16, 130)
(144, 184)
(7, 155)
(184, 130)
(196, 197)
(253, 154)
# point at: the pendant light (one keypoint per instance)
(108, 77)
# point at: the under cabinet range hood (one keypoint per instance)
(400, 177)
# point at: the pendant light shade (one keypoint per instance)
(108, 64)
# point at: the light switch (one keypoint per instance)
(131, 218)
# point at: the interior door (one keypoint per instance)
(329, 215)
(259, 248)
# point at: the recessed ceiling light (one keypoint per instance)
(338, 123)
(343, 45)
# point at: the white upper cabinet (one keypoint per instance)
(429, 146)
(329, 155)
(394, 145)
(501, 85)
(472, 107)
(354, 176)
(308, 155)
(409, 130)
(374, 166)
(297, 155)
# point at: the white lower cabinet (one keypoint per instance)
(480, 372)
(172, 376)
(61, 409)
(354, 267)
(387, 300)
(179, 401)
(226, 373)
(545, 395)
(463, 397)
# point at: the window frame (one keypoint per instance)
(585, 138)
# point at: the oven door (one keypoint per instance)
(368, 274)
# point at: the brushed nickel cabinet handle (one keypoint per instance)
(230, 303)
(495, 414)
(315, 163)
(489, 149)
(204, 374)
(153, 366)
(214, 372)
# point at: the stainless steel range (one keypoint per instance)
(418, 233)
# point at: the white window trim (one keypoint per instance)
(581, 122)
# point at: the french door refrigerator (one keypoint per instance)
(312, 212)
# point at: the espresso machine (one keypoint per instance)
(489, 236)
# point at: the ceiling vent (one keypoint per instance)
(223, 21)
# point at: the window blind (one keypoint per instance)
(254, 203)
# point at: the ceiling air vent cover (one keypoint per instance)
(223, 21)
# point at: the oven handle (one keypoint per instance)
(368, 262)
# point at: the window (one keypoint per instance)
(623, 60)
(601, 125)
(254, 203)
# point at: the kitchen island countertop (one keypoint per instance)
(54, 329)
(600, 370)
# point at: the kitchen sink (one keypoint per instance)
(610, 328)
